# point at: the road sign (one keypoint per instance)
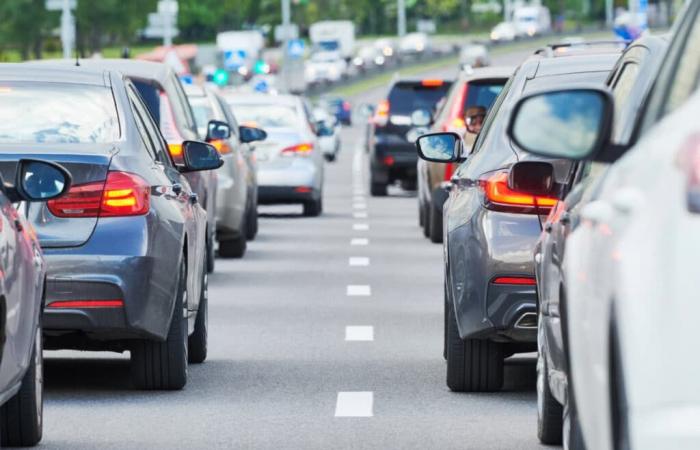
(57, 5)
(159, 32)
(285, 32)
(295, 48)
(233, 59)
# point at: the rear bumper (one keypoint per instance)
(270, 195)
(392, 159)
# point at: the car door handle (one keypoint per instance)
(565, 218)
(177, 188)
(548, 227)
(194, 198)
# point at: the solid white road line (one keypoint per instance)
(357, 261)
(359, 215)
(354, 404)
(360, 226)
(358, 290)
(358, 199)
(359, 241)
(359, 206)
(363, 333)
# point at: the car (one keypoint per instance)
(337, 106)
(473, 92)
(165, 97)
(125, 246)
(490, 229)
(24, 282)
(630, 83)
(387, 48)
(474, 55)
(325, 67)
(504, 32)
(414, 45)
(237, 195)
(628, 282)
(392, 154)
(328, 134)
(367, 58)
(290, 161)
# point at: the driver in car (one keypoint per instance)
(474, 118)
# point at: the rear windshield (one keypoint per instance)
(405, 98)
(483, 94)
(151, 96)
(266, 115)
(57, 113)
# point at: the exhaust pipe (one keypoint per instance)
(527, 321)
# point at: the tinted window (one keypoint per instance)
(151, 97)
(482, 94)
(685, 79)
(405, 98)
(57, 113)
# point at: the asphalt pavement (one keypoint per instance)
(328, 334)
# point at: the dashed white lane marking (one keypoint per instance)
(358, 199)
(354, 404)
(359, 215)
(359, 206)
(360, 226)
(364, 333)
(358, 290)
(358, 261)
(359, 241)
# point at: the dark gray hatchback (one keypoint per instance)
(491, 230)
(125, 246)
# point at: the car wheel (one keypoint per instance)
(211, 254)
(163, 364)
(549, 410)
(409, 185)
(252, 223)
(426, 220)
(313, 208)
(435, 228)
(421, 215)
(376, 188)
(446, 317)
(197, 342)
(21, 417)
(330, 157)
(473, 365)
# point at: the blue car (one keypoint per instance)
(338, 107)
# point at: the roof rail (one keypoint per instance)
(550, 49)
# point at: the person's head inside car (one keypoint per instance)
(474, 118)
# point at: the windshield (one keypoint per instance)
(266, 115)
(57, 113)
(408, 97)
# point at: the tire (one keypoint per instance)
(376, 188)
(435, 229)
(421, 215)
(162, 365)
(426, 220)
(550, 413)
(21, 417)
(211, 255)
(329, 157)
(252, 223)
(473, 365)
(409, 185)
(233, 248)
(446, 317)
(313, 208)
(197, 342)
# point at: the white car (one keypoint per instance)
(631, 265)
(328, 131)
(414, 44)
(325, 67)
(474, 55)
(503, 32)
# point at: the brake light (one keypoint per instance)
(432, 83)
(346, 106)
(521, 281)
(449, 171)
(381, 116)
(500, 197)
(221, 146)
(388, 160)
(121, 194)
(82, 304)
(299, 149)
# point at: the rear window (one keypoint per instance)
(266, 115)
(483, 94)
(405, 98)
(151, 96)
(57, 113)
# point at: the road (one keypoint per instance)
(280, 367)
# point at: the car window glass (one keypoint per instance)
(493, 112)
(623, 88)
(183, 105)
(140, 125)
(406, 97)
(687, 72)
(159, 144)
(228, 113)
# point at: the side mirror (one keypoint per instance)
(421, 118)
(532, 177)
(200, 156)
(440, 147)
(39, 181)
(251, 134)
(569, 124)
(217, 130)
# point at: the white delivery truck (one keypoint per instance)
(240, 49)
(532, 20)
(334, 35)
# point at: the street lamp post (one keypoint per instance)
(401, 17)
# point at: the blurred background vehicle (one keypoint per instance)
(325, 66)
(333, 36)
(239, 50)
(504, 32)
(491, 230)
(387, 48)
(392, 155)
(415, 45)
(531, 20)
(22, 296)
(630, 83)
(290, 162)
(368, 58)
(337, 106)
(472, 88)
(474, 55)
(126, 245)
(237, 187)
(328, 133)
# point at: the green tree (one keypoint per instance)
(24, 25)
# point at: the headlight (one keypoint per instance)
(495, 36)
(388, 51)
(357, 61)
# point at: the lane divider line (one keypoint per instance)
(359, 215)
(361, 333)
(359, 241)
(358, 290)
(360, 226)
(355, 404)
(358, 261)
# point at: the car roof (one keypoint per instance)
(577, 63)
(482, 73)
(147, 70)
(235, 97)
(56, 73)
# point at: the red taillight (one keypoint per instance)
(221, 146)
(303, 189)
(499, 196)
(522, 281)
(381, 116)
(346, 106)
(388, 160)
(449, 171)
(83, 304)
(299, 149)
(432, 83)
(121, 194)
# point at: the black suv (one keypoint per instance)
(391, 144)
